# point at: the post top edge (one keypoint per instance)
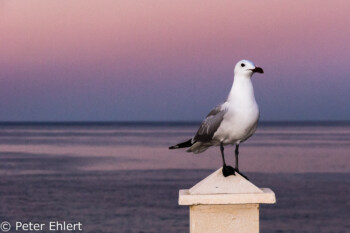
(266, 197)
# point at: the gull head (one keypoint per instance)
(247, 68)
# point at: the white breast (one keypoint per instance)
(242, 115)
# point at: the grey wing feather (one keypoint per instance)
(210, 124)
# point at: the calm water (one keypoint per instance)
(122, 178)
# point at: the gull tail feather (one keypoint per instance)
(198, 147)
(188, 143)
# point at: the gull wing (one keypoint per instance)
(210, 124)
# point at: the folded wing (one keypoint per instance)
(210, 125)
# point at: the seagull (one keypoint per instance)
(231, 122)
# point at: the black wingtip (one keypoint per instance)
(182, 145)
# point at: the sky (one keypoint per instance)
(162, 60)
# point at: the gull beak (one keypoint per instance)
(258, 70)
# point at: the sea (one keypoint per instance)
(121, 177)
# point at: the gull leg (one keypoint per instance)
(226, 170)
(236, 165)
(222, 155)
(236, 155)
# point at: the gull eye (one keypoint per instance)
(243, 65)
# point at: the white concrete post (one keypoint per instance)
(221, 204)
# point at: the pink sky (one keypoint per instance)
(159, 60)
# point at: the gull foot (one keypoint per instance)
(241, 174)
(228, 170)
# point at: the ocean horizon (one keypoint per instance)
(181, 122)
